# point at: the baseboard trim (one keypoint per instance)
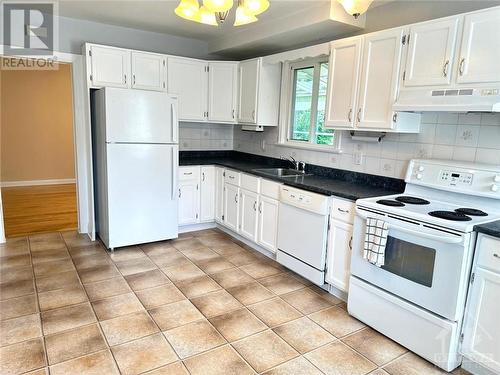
(196, 227)
(61, 181)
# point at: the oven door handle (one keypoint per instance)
(443, 238)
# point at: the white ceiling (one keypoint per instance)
(158, 16)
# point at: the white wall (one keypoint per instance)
(203, 136)
(450, 136)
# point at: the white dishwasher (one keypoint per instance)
(303, 232)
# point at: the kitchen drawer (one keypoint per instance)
(232, 177)
(250, 183)
(489, 253)
(270, 189)
(343, 210)
(189, 173)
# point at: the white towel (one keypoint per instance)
(375, 241)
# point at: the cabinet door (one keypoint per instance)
(339, 255)
(482, 329)
(231, 207)
(110, 66)
(219, 194)
(188, 202)
(187, 78)
(267, 232)
(207, 194)
(381, 64)
(148, 71)
(480, 53)
(343, 80)
(248, 90)
(431, 52)
(222, 91)
(248, 214)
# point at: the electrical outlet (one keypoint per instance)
(358, 158)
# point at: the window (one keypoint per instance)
(308, 103)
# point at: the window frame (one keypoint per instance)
(287, 101)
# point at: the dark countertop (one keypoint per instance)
(491, 229)
(326, 181)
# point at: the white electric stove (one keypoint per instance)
(418, 296)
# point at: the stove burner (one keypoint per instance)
(471, 212)
(411, 200)
(390, 202)
(450, 215)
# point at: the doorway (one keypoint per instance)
(37, 151)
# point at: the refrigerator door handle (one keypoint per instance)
(174, 172)
(175, 124)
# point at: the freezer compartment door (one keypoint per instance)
(140, 116)
(142, 197)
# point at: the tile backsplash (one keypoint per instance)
(204, 136)
(450, 136)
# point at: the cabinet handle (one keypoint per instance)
(133, 79)
(461, 67)
(445, 68)
(203, 176)
(260, 207)
(233, 113)
(395, 117)
(255, 205)
(343, 211)
(231, 177)
(350, 243)
(253, 114)
(125, 77)
(496, 255)
(349, 115)
(359, 115)
(180, 192)
(236, 198)
(188, 173)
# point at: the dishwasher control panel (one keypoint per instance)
(304, 199)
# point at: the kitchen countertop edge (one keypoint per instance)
(491, 228)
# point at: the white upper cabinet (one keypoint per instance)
(381, 67)
(479, 58)
(259, 92)
(222, 91)
(148, 71)
(343, 82)
(248, 88)
(431, 52)
(110, 66)
(188, 78)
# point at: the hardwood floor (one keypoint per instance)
(39, 209)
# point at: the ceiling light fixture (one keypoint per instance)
(355, 7)
(215, 12)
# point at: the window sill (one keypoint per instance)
(329, 149)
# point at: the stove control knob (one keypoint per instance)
(421, 168)
(496, 178)
(419, 176)
(494, 188)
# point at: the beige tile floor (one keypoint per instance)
(203, 304)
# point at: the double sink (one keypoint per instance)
(281, 172)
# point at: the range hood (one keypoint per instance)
(449, 99)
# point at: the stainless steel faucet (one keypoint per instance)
(297, 165)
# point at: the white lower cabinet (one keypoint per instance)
(481, 343)
(340, 244)
(219, 194)
(232, 207)
(249, 214)
(189, 195)
(207, 193)
(267, 232)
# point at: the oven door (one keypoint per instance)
(425, 265)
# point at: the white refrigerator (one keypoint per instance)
(135, 144)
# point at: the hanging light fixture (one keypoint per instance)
(355, 7)
(215, 12)
(243, 17)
